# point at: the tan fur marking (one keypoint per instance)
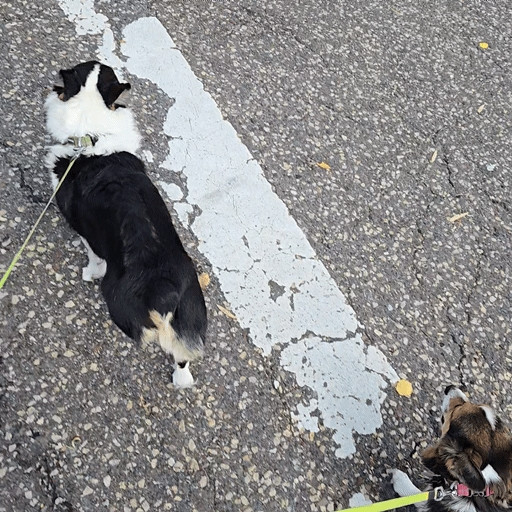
(168, 339)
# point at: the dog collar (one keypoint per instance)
(464, 491)
(83, 142)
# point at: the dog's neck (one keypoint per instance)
(113, 131)
(80, 143)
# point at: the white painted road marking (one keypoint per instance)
(267, 270)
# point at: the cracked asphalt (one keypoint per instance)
(413, 115)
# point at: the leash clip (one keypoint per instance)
(439, 494)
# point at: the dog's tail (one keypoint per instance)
(183, 348)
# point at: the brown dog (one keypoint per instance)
(472, 461)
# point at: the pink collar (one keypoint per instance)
(464, 490)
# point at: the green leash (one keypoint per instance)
(437, 494)
(32, 231)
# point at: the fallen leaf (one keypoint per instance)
(483, 45)
(458, 217)
(324, 165)
(204, 280)
(404, 388)
(433, 157)
(226, 312)
(480, 109)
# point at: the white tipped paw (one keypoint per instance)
(92, 272)
(402, 483)
(398, 476)
(87, 274)
(182, 378)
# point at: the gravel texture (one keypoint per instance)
(413, 117)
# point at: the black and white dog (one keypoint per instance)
(149, 282)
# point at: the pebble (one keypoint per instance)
(87, 491)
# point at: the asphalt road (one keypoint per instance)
(409, 105)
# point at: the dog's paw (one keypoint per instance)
(402, 483)
(92, 272)
(87, 274)
(182, 378)
(398, 476)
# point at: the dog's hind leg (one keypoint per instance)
(96, 267)
(181, 377)
(181, 350)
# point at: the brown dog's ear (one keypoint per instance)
(446, 460)
(465, 465)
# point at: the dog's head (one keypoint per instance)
(475, 446)
(86, 104)
(93, 76)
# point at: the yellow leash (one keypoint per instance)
(32, 231)
(382, 506)
(436, 494)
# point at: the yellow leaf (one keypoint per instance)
(324, 165)
(226, 312)
(433, 157)
(457, 217)
(480, 109)
(204, 280)
(404, 388)
(484, 45)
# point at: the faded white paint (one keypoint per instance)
(84, 16)
(277, 287)
(348, 377)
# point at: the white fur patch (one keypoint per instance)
(94, 271)
(490, 475)
(86, 114)
(490, 415)
(453, 393)
(96, 268)
(461, 505)
(182, 378)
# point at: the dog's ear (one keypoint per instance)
(72, 83)
(446, 460)
(112, 91)
(466, 466)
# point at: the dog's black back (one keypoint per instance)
(111, 202)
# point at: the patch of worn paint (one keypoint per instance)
(349, 379)
(173, 192)
(84, 16)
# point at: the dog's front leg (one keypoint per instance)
(96, 268)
